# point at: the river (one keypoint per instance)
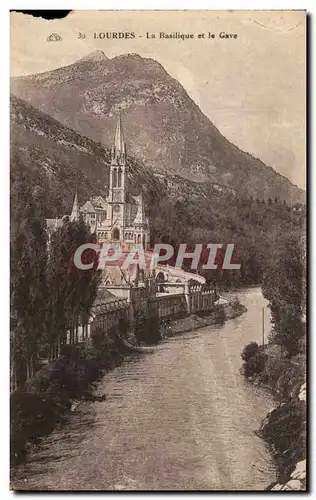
(180, 418)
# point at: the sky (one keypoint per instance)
(252, 87)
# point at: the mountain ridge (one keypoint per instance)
(166, 129)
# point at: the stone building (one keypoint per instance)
(120, 217)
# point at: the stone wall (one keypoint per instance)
(109, 315)
(190, 300)
(171, 306)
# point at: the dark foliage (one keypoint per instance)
(252, 226)
(255, 364)
(249, 351)
(283, 287)
(283, 375)
(45, 399)
(147, 326)
(48, 293)
(254, 359)
(72, 291)
(28, 252)
(284, 429)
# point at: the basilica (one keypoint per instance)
(120, 216)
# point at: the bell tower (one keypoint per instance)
(118, 179)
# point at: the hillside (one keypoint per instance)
(58, 160)
(61, 160)
(166, 129)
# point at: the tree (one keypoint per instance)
(72, 290)
(28, 263)
(283, 287)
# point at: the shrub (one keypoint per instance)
(254, 359)
(249, 351)
(255, 364)
(282, 375)
(47, 396)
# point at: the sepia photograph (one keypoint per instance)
(158, 251)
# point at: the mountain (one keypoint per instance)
(165, 129)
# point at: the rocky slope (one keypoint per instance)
(166, 130)
(62, 160)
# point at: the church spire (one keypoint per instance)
(75, 213)
(118, 149)
(119, 138)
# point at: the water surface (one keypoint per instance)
(179, 418)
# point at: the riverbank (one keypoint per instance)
(284, 427)
(222, 312)
(58, 388)
(46, 399)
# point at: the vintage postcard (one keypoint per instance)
(158, 251)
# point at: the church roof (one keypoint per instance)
(104, 296)
(94, 204)
(88, 207)
(99, 203)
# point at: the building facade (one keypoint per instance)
(120, 217)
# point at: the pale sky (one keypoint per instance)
(251, 87)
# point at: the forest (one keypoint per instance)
(49, 295)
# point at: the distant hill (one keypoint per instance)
(166, 130)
